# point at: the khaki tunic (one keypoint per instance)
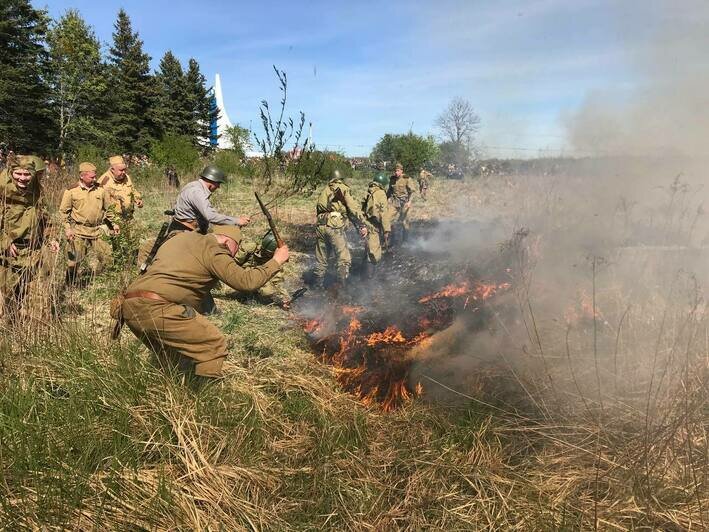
(400, 191)
(123, 194)
(335, 206)
(186, 266)
(376, 209)
(23, 222)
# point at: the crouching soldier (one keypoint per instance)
(23, 228)
(159, 306)
(251, 254)
(86, 207)
(378, 219)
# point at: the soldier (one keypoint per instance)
(335, 207)
(424, 182)
(159, 305)
(251, 254)
(120, 186)
(86, 207)
(401, 188)
(194, 211)
(23, 227)
(376, 210)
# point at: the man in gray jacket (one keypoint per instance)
(194, 211)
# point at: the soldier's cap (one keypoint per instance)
(25, 162)
(232, 231)
(398, 166)
(39, 163)
(87, 167)
(116, 160)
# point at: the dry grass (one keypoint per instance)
(93, 436)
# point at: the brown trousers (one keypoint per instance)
(174, 331)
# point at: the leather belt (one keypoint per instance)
(145, 295)
(191, 224)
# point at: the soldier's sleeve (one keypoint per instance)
(410, 187)
(109, 209)
(352, 207)
(381, 207)
(209, 213)
(65, 209)
(224, 268)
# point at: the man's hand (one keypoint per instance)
(363, 232)
(139, 203)
(281, 254)
(116, 230)
(407, 205)
(54, 246)
(12, 251)
(243, 220)
(285, 305)
(69, 234)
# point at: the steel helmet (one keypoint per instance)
(269, 244)
(335, 175)
(214, 174)
(382, 180)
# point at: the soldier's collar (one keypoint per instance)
(82, 185)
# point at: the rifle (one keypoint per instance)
(159, 241)
(279, 241)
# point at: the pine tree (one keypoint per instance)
(132, 118)
(204, 110)
(25, 120)
(78, 83)
(174, 106)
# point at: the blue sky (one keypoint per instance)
(359, 69)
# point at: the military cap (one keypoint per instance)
(39, 164)
(232, 231)
(26, 162)
(399, 166)
(116, 160)
(87, 167)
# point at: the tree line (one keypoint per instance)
(59, 92)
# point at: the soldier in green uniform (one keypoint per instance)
(86, 207)
(376, 211)
(120, 187)
(401, 188)
(251, 254)
(335, 207)
(159, 306)
(424, 180)
(23, 231)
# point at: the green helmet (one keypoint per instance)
(335, 175)
(382, 180)
(268, 244)
(214, 174)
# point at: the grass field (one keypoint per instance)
(92, 435)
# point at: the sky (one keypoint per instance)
(360, 69)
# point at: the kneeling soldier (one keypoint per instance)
(252, 254)
(159, 306)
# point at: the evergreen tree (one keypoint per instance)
(25, 121)
(174, 106)
(203, 109)
(132, 118)
(78, 83)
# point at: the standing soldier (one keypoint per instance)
(194, 211)
(120, 187)
(376, 210)
(159, 306)
(335, 207)
(23, 226)
(251, 254)
(424, 180)
(86, 207)
(401, 188)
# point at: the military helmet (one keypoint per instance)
(269, 244)
(382, 180)
(335, 175)
(214, 174)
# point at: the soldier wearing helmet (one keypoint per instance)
(376, 211)
(401, 188)
(194, 211)
(120, 186)
(251, 254)
(335, 208)
(23, 233)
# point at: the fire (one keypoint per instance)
(478, 292)
(392, 335)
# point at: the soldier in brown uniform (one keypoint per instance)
(86, 207)
(159, 306)
(376, 210)
(252, 254)
(120, 186)
(335, 207)
(401, 188)
(424, 180)
(23, 226)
